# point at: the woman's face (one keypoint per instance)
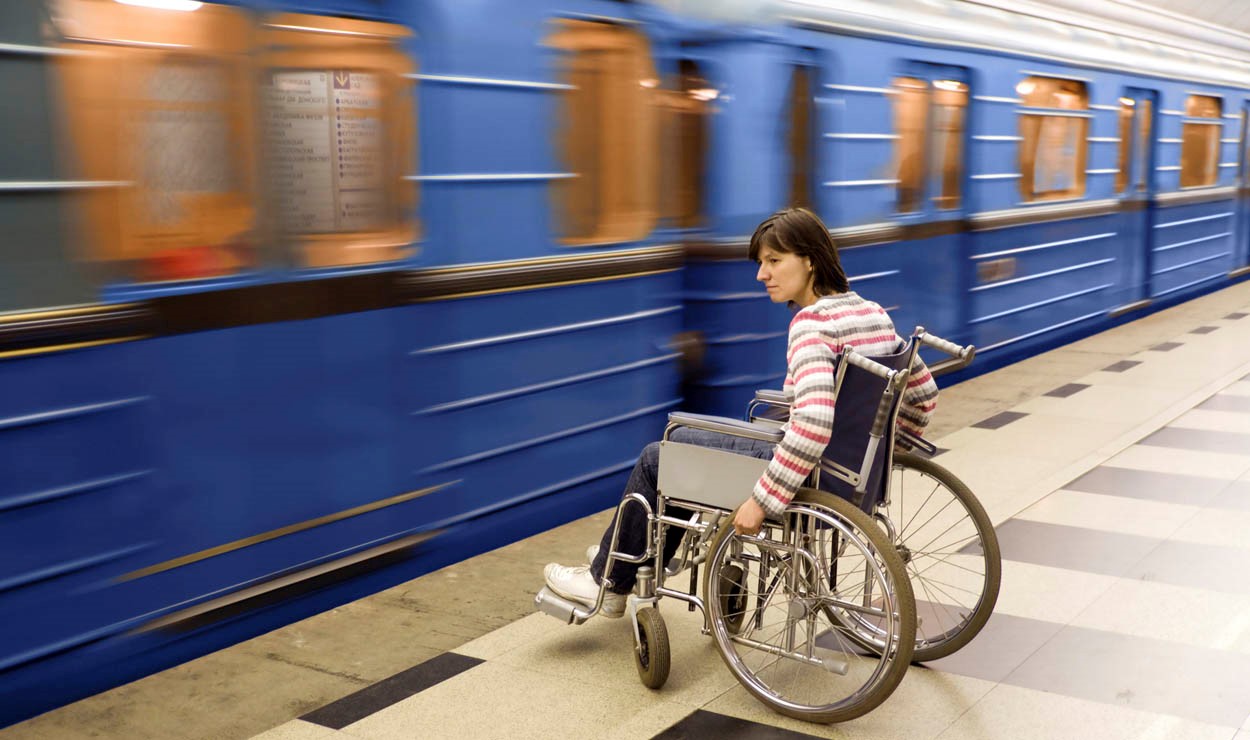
(787, 276)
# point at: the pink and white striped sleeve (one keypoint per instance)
(811, 364)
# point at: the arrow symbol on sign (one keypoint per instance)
(342, 78)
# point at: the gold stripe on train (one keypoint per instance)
(274, 534)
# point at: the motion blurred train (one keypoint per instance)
(300, 299)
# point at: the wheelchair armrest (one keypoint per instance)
(775, 404)
(725, 425)
(775, 397)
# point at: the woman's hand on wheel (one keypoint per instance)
(749, 518)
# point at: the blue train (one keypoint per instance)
(300, 299)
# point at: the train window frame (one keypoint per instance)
(930, 159)
(1202, 128)
(1063, 124)
(297, 44)
(686, 107)
(621, 202)
(199, 234)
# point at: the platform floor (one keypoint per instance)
(1117, 470)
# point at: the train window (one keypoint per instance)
(1125, 134)
(911, 113)
(929, 124)
(1200, 141)
(607, 134)
(338, 122)
(686, 110)
(950, 101)
(801, 122)
(1052, 146)
(158, 109)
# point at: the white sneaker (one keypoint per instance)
(576, 583)
(591, 552)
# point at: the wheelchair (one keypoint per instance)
(882, 559)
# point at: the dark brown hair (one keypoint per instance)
(799, 231)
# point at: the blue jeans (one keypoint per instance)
(633, 536)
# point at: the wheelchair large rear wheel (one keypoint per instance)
(952, 556)
(796, 584)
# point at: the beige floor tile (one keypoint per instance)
(1220, 421)
(496, 700)
(923, 705)
(646, 725)
(601, 652)
(1025, 714)
(227, 694)
(537, 626)
(1160, 372)
(1225, 527)
(1124, 404)
(1048, 594)
(1005, 484)
(1110, 513)
(298, 729)
(368, 640)
(1042, 435)
(1187, 462)
(1240, 388)
(1163, 611)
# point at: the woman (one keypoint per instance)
(798, 264)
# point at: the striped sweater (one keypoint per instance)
(817, 334)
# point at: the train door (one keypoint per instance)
(1241, 250)
(1135, 187)
(930, 111)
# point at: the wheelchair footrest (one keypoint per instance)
(569, 612)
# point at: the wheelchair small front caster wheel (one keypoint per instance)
(651, 655)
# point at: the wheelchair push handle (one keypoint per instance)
(863, 363)
(964, 355)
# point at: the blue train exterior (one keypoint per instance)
(186, 465)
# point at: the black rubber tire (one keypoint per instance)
(933, 647)
(652, 656)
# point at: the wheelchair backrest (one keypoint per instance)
(855, 407)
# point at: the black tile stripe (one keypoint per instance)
(1121, 366)
(1203, 329)
(701, 725)
(999, 420)
(1165, 347)
(1237, 315)
(379, 696)
(1064, 391)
